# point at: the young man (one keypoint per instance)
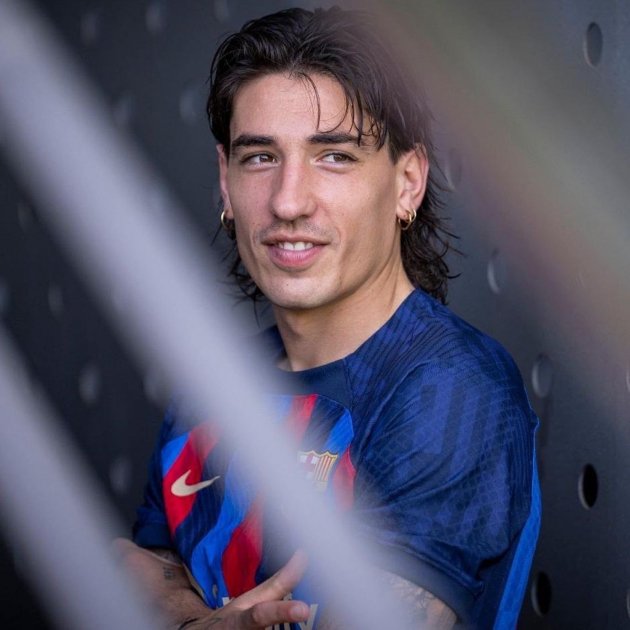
(404, 413)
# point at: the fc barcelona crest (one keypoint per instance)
(317, 466)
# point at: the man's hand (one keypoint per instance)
(166, 580)
(263, 606)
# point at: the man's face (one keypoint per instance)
(315, 214)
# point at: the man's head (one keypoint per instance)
(339, 50)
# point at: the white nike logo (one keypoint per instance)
(181, 489)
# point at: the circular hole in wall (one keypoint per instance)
(119, 300)
(25, 216)
(158, 201)
(588, 486)
(593, 44)
(155, 17)
(154, 387)
(541, 594)
(192, 104)
(542, 376)
(221, 10)
(5, 297)
(120, 475)
(496, 272)
(21, 562)
(55, 300)
(90, 384)
(580, 280)
(454, 169)
(90, 27)
(124, 109)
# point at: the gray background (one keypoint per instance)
(150, 60)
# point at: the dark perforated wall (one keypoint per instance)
(532, 112)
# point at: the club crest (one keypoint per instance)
(317, 467)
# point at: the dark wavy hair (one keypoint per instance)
(343, 45)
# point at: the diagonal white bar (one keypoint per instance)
(54, 512)
(94, 190)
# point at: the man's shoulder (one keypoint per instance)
(427, 335)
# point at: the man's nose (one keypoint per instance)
(291, 197)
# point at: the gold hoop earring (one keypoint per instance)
(226, 223)
(405, 224)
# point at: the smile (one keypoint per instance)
(294, 255)
(299, 246)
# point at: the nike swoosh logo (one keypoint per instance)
(182, 489)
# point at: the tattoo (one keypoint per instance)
(187, 623)
(168, 573)
(420, 608)
(422, 605)
(166, 554)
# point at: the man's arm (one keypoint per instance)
(166, 581)
(163, 577)
(423, 609)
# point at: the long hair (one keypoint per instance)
(343, 45)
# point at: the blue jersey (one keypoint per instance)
(424, 432)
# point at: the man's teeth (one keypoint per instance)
(296, 247)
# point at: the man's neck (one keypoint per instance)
(316, 337)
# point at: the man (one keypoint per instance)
(404, 413)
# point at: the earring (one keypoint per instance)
(226, 224)
(405, 224)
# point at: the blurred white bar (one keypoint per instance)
(95, 190)
(55, 514)
(553, 156)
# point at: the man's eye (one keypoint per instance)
(337, 158)
(258, 158)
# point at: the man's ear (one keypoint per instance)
(223, 168)
(413, 172)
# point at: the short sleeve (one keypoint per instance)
(151, 528)
(444, 483)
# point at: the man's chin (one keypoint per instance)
(295, 301)
(294, 304)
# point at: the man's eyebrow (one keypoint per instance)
(250, 140)
(334, 138)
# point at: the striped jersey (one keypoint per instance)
(424, 433)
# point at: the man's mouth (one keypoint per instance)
(298, 246)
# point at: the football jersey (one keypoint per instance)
(424, 432)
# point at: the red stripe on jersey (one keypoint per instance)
(201, 440)
(343, 482)
(241, 557)
(300, 415)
